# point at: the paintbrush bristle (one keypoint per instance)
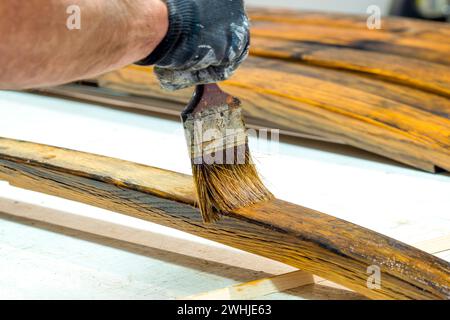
(222, 188)
(225, 177)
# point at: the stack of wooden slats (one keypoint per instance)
(328, 76)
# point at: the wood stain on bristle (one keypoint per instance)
(225, 176)
(222, 188)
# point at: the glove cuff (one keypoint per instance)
(182, 20)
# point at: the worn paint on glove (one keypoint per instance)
(210, 52)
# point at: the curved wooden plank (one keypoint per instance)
(402, 123)
(423, 75)
(172, 109)
(363, 39)
(420, 29)
(315, 242)
(344, 94)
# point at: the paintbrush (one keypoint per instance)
(225, 176)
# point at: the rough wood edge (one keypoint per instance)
(317, 243)
(257, 288)
(109, 98)
(246, 290)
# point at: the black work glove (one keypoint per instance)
(206, 42)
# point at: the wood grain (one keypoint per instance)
(429, 30)
(312, 241)
(257, 288)
(156, 106)
(399, 122)
(421, 74)
(328, 76)
(404, 37)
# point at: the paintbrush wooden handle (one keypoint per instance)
(208, 96)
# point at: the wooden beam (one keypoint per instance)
(399, 26)
(398, 122)
(291, 280)
(119, 235)
(405, 45)
(327, 76)
(257, 288)
(158, 106)
(303, 238)
(284, 278)
(421, 74)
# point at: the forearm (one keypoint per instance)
(37, 49)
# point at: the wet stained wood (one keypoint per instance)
(159, 106)
(412, 47)
(421, 74)
(312, 241)
(401, 36)
(433, 31)
(328, 76)
(405, 124)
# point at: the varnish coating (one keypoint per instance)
(385, 91)
(312, 241)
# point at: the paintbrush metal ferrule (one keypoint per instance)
(224, 174)
(216, 136)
